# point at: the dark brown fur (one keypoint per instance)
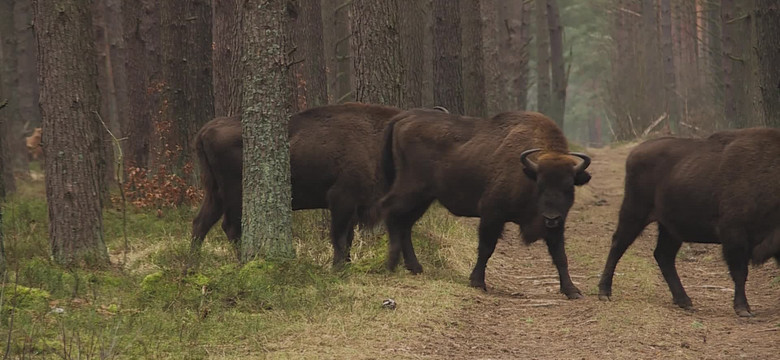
(722, 189)
(473, 167)
(334, 157)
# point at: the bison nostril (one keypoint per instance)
(552, 221)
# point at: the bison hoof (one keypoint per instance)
(685, 304)
(574, 295)
(415, 269)
(479, 285)
(743, 312)
(605, 297)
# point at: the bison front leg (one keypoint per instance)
(489, 232)
(556, 247)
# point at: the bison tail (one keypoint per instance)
(208, 179)
(388, 163)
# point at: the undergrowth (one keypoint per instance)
(147, 308)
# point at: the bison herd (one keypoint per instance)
(368, 163)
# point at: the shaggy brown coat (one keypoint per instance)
(334, 157)
(721, 189)
(481, 168)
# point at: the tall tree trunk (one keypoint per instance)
(488, 11)
(667, 52)
(267, 214)
(715, 67)
(336, 34)
(108, 112)
(651, 60)
(28, 90)
(412, 17)
(9, 114)
(768, 50)
(116, 50)
(376, 52)
(448, 83)
(307, 72)
(542, 58)
(188, 96)
(71, 131)
(558, 65)
(140, 21)
(227, 56)
(473, 60)
(513, 53)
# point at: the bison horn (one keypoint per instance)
(442, 109)
(582, 165)
(528, 163)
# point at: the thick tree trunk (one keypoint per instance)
(736, 45)
(71, 131)
(267, 214)
(558, 65)
(667, 51)
(513, 53)
(9, 98)
(188, 96)
(768, 50)
(542, 58)
(412, 18)
(376, 52)
(448, 83)
(227, 56)
(140, 21)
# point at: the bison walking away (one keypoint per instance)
(721, 189)
(335, 164)
(514, 167)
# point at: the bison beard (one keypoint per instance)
(722, 189)
(334, 164)
(481, 168)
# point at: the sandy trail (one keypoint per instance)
(524, 316)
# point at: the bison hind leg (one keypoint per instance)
(665, 255)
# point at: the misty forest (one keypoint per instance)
(357, 179)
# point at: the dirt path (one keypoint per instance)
(524, 316)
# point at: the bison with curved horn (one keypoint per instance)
(514, 167)
(334, 164)
(721, 189)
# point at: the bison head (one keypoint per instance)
(555, 176)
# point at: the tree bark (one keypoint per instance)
(448, 82)
(9, 98)
(227, 57)
(267, 203)
(376, 52)
(71, 131)
(336, 34)
(473, 61)
(513, 53)
(768, 50)
(667, 51)
(108, 111)
(307, 71)
(542, 58)
(412, 17)
(28, 90)
(187, 72)
(140, 21)
(558, 65)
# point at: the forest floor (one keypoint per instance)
(524, 316)
(145, 308)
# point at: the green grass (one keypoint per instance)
(147, 308)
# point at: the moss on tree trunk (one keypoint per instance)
(71, 131)
(267, 215)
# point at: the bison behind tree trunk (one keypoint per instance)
(515, 167)
(334, 160)
(722, 189)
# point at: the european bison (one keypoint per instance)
(335, 164)
(721, 189)
(514, 167)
